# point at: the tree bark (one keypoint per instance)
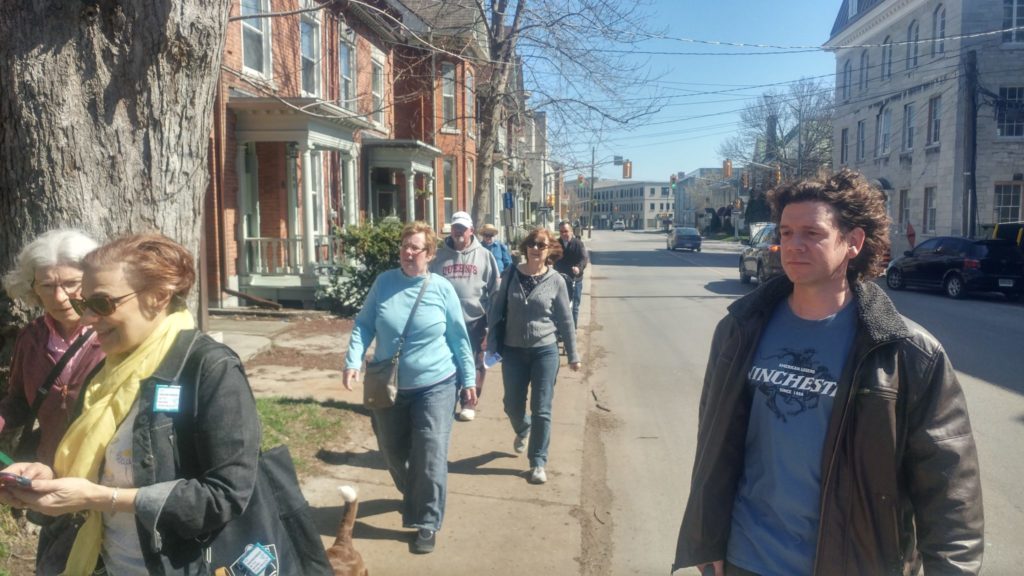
(106, 108)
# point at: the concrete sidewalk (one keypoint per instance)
(495, 522)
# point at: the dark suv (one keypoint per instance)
(761, 256)
(960, 265)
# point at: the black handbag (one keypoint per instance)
(275, 531)
(56, 537)
(28, 443)
(380, 380)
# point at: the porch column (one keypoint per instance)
(351, 207)
(308, 251)
(410, 194)
(431, 210)
(242, 264)
(292, 191)
(371, 202)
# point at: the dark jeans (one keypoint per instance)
(524, 369)
(413, 436)
(575, 295)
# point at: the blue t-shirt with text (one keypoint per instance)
(794, 377)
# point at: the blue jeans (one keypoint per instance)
(575, 295)
(413, 436)
(523, 368)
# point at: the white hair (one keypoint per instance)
(54, 248)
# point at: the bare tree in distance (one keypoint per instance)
(791, 127)
(105, 115)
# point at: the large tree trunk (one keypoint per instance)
(105, 113)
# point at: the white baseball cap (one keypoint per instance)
(462, 219)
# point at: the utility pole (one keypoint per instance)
(971, 145)
(593, 160)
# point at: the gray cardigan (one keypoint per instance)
(535, 320)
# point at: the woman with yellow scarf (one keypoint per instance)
(148, 500)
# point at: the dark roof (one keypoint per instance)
(449, 17)
(843, 18)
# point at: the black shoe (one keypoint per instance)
(425, 540)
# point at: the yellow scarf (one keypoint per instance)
(108, 399)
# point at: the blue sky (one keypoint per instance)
(672, 142)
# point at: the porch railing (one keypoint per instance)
(284, 256)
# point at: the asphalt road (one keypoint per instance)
(654, 312)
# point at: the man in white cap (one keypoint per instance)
(473, 272)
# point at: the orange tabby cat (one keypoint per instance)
(345, 559)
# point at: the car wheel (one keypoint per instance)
(744, 277)
(698, 248)
(894, 279)
(954, 286)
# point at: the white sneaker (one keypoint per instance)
(467, 415)
(519, 445)
(538, 476)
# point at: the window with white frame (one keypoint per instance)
(448, 175)
(470, 106)
(862, 85)
(913, 36)
(860, 140)
(652, 206)
(1007, 202)
(847, 79)
(908, 126)
(934, 120)
(883, 126)
(1013, 17)
(929, 210)
(347, 67)
(939, 31)
(309, 32)
(903, 211)
(256, 38)
(377, 90)
(886, 59)
(316, 176)
(844, 146)
(448, 95)
(1010, 112)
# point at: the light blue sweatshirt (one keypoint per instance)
(437, 345)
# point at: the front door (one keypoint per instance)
(386, 204)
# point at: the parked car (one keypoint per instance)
(681, 237)
(761, 257)
(959, 266)
(618, 225)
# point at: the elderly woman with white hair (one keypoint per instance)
(47, 274)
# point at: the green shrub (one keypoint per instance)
(368, 251)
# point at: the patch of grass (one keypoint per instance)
(305, 425)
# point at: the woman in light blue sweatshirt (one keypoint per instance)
(435, 362)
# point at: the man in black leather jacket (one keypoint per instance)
(834, 437)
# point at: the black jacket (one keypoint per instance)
(900, 480)
(574, 253)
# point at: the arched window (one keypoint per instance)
(847, 79)
(886, 58)
(863, 83)
(939, 31)
(913, 34)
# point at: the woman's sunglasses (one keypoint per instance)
(100, 304)
(537, 245)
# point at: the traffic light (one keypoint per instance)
(672, 181)
(627, 169)
(745, 179)
(551, 200)
(727, 169)
(778, 174)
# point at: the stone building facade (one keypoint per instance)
(909, 76)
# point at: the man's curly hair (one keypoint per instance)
(857, 204)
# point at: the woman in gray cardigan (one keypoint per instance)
(532, 309)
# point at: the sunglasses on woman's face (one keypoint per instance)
(100, 304)
(538, 245)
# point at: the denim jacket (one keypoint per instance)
(195, 468)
